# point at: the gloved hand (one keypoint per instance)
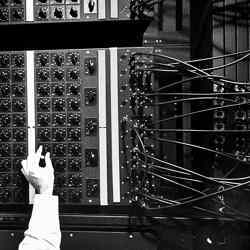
(42, 179)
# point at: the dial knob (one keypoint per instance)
(75, 165)
(44, 135)
(44, 90)
(42, 14)
(75, 105)
(74, 59)
(59, 119)
(60, 165)
(58, 75)
(19, 135)
(91, 66)
(17, 14)
(60, 135)
(4, 150)
(43, 75)
(59, 90)
(75, 134)
(43, 58)
(5, 120)
(18, 76)
(59, 149)
(75, 180)
(73, 12)
(44, 105)
(91, 5)
(91, 127)
(19, 120)
(43, 120)
(75, 150)
(4, 61)
(58, 58)
(18, 106)
(59, 105)
(74, 119)
(19, 60)
(18, 91)
(4, 76)
(4, 15)
(4, 91)
(74, 75)
(5, 135)
(4, 105)
(5, 165)
(58, 14)
(19, 150)
(74, 89)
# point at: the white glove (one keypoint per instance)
(42, 179)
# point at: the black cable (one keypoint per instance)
(181, 168)
(227, 65)
(188, 80)
(205, 196)
(173, 182)
(195, 99)
(199, 112)
(226, 155)
(197, 130)
(197, 94)
(216, 57)
(197, 71)
(232, 216)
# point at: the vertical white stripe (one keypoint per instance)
(114, 8)
(102, 87)
(103, 166)
(30, 88)
(29, 10)
(102, 127)
(115, 124)
(31, 111)
(102, 9)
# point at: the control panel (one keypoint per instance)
(13, 126)
(40, 11)
(66, 86)
(85, 107)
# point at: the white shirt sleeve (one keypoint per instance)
(44, 227)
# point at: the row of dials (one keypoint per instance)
(60, 164)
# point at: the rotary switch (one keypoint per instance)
(74, 119)
(5, 120)
(4, 61)
(59, 135)
(59, 119)
(5, 135)
(75, 150)
(44, 120)
(43, 59)
(4, 91)
(19, 61)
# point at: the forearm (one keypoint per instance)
(44, 228)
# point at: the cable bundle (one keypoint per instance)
(151, 170)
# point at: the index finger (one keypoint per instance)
(38, 155)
